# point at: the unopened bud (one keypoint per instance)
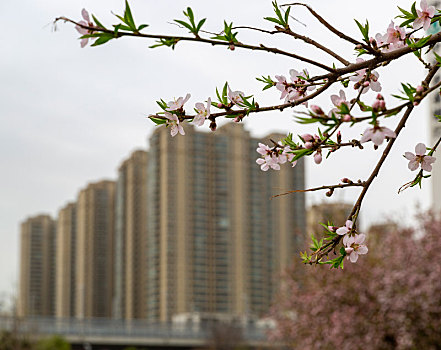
(380, 97)
(308, 145)
(318, 157)
(338, 136)
(220, 105)
(232, 47)
(366, 84)
(416, 103)
(329, 193)
(346, 118)
(307, 137)
(358, 47)
(316, 109)
(419, 88)
(213, 125)
(345, 180)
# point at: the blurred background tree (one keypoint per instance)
(390, 299)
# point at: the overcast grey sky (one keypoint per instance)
(70, 115)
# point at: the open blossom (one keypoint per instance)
(361, 78)
(175, 126)
(419, 158)
(202, 112)
(338, 101)
(377, 134)
(395, 34)
(273, 158)
(424, 16)
(178, 104)
(283, 86)
(235, 96)
(83, 31)
(345, 229)
(354, 246)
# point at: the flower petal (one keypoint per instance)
(362, 249)
(420, 149)
(413, 165)
(409, 156)
(342, 231)
(359, 239)
(353, 257)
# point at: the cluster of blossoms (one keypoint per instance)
(297, 88)
(273, 157)
(310, 143)
(419, 158)
(365, 79)
(353, 242)
(394, 38)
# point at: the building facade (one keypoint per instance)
(66, 261)
(37, 267)
(94, 250)
(334, 212)
(130, 239)
(216, 243)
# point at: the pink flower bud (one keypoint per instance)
(416, 103)
(220, 105)
(231, 47)
(382, 105)
(366, 84)
(346, 118)
(345, 180)
(419, 88)
(380, 97)
(307, 137)
(316, 109)
(308, 145)
(318, 157)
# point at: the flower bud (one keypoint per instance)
(419, 88)
(380, 97)
(338, 136)
(316, 109)
(346, 118)
(231, 47)
(345, 180)
(213, 125)
(307, 137)
(308, 145)
(366, 84)
(220, 105)
(318, 157)
(329, 193)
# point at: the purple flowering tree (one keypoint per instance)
(390, 300)
(352, 105)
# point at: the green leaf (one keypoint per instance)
(142, 26)
(98, 23)
(185, 24)
(129, 18)
(102, 39)
(157, 121)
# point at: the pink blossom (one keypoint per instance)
(316, 109)
(361, 77)
(419, 158)
(301, 86)
(202, 112)
(339, 99)
(283, 86)
(177, 104)
(395, 34)
(354, 247)
(345, 229)
(83, 31)
(377, 134)
(424, 16)
(307, 137)
(235, 96)
(175, 126)
(379, 104)
(272, 158)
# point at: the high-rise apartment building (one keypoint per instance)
(130, 238)
(216, 243)
(335, 212)
(94, 250)
(37, 267)
(66, 260)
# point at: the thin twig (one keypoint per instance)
(325, 187)
(261, 47)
